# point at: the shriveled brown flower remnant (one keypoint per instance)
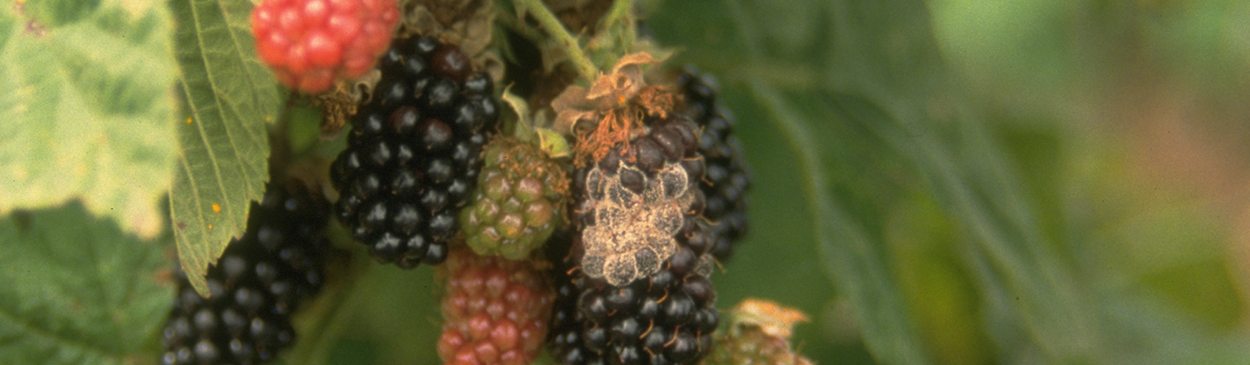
(611, 111)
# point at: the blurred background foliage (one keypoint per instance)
(966, 182)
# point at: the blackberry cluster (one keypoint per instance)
(518, 202)
(413, 154)
(495, 310)
(728, 177)
(259, 281)
(645, 298)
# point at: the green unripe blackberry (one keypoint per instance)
(518, 203)
(758, 334)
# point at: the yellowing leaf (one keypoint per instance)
(87, 110)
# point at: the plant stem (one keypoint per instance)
(618, 12)
(619, 16)
(510, 21)
(552, 26)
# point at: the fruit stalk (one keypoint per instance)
(552, 26)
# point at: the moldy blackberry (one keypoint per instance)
(413, 154)
(639, 202)
(728, 177)
(259, 281)
(642, 291)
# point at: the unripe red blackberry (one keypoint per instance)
(495, 310)
(728, 177)
(310, 43)
(259, 281)
(518, 203)
(413, 154)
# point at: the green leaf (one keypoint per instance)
(873, 117)
(88, 295)
(841, 192)
(863, 98)
(87, 108)
(228, 97)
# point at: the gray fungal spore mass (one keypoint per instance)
(636, 219)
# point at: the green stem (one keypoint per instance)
(618, 12)
(552, 26)
(323, 323)
(619, 16)
(510, 21)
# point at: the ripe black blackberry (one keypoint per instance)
(259, 281)
(565, 328)
(642, 291)
(413, 154)
(728, 177)
(667, 318)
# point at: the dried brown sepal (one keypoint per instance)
(758, 334)
(614, 105)
(658, 100)
(339, 104)
(772, 318)
(626, 79)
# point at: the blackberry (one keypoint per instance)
(642, 295)
(639, 202)
(310, 43)
(518, 203)
(668, 318)
(413, 154)
(495, 311)
(728, 177)
(259, 281)
(565, 336)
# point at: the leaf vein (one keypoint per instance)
(227, 203)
